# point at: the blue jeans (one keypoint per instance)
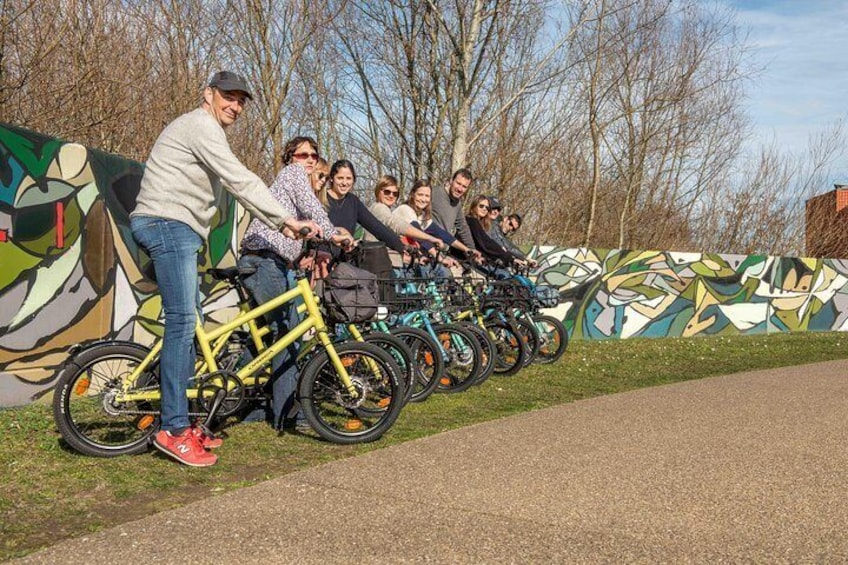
(272, 277)
(173, 246)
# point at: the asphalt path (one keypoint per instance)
(747, 468)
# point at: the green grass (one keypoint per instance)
(48, 493)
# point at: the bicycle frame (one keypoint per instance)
(211, 343)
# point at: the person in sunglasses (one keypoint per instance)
(320, 178)
(479, 223)
(386, 197)
(189, 167)
(270, 259)
(501, 226)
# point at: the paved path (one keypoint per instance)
(745, 468)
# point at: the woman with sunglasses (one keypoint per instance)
(270, 259)
(320, 178)
(479, 224)
(386, 196)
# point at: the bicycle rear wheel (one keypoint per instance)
(86, 408)
(333, 412)
(427, 361)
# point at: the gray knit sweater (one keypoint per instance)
(189, 166)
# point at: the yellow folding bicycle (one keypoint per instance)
(106, 402)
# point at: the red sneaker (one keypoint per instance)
(208, 441)
(185, 448)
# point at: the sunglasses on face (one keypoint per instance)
(483, 206)
(323, 176)
(387, 192)
(306, 155)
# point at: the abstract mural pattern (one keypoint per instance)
(621, 294)
(71, 273)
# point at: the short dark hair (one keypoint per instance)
(517, 217)
(293, 144)
(464, 173)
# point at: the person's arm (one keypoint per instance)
(486, 244)
(384, 215)
(464, 233)
(378, 229)
(211, 147)
(499, 236)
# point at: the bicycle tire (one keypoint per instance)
(511, 351)
(332, 412)
(553, 337)
(530, 338)
(463, 363)
(426, 360)
(488, 352)
(402, 355)
(85, 391)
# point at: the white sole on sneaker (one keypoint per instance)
(174, 456)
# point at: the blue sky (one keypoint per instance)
(804, 87)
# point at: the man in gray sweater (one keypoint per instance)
(446, 205)
(189, 166)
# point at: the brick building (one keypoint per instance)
(827, 224)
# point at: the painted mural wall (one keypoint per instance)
(622, 294)
(71, 273)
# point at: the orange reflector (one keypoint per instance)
(348, 362)
(82, 386)
(353, 425)
(445, 381)
(383, 402)
(145, 422)
(428, 357)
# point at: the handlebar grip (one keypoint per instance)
(304, 231)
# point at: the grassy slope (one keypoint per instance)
(38, 472)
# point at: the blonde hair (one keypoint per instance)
(321, 192)
(386, 181)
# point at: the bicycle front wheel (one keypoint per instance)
(530, 339)
(401, 354)
(553, 336)
(339, 416)
(87, 406)
(426, 360)
(463, 360)
(509, 345)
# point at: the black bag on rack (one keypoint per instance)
(349, 294)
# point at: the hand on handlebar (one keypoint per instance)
(301, 229)
(343, 239)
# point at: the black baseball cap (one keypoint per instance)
(494, 204)
(226, 80)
